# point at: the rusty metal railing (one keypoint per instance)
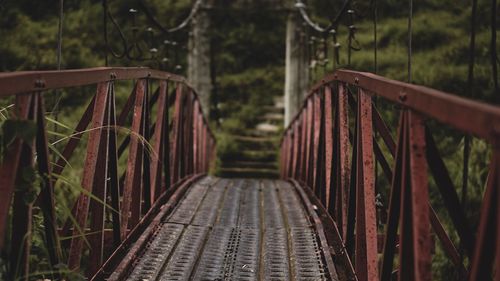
(113, 208)
(335, 158)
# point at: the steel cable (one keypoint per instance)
(352, 42)
(375, 66)
(127, 48)
(57, 94)
(59, 36)
(493, 50)
(107, 14)
(183, 24)
(375, 48)
(470, 86)
(302, 9)
(410, 19)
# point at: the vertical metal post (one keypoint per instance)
(22, 210)
(159, 141)
(89, 172)
(328, 144)
(132, 189)
(366, 261)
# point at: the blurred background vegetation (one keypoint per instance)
(249, 56)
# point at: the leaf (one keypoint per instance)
(57, 123)
(54, 149)
(84, 191)
(53, 133)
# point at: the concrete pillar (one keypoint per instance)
(296, 67)
(198, 72)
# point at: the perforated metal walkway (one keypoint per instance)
(235, 230)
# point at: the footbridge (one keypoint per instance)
(145, 207)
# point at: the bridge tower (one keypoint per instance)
(296, 66)
(199, 71)
(199, 56)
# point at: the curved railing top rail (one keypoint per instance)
(470, 116)
(12, 83)
(377, 215)
(29, 81)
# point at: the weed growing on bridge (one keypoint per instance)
(67, 189)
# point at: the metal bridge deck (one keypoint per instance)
(235, 229)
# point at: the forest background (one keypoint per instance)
(249, 56)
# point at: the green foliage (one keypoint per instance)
(440, 48)
(248, 39)
(22, 129)
(230, 125)
(30, 40)
(249, 62)
(29, 180)
(244, 94)
(249, 51)
(30, 184)
(226, 145)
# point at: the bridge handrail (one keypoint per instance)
(474, 117)
(162, 155)
(336, 158)
(31, 81)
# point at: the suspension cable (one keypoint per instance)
(105, 30)
(470, 86)
(57, 94)
(375, 70)
(470, 90)
(410, 19)
(353, 44)
(183, 24)
(350, 37)
(107, 14)
(493, 50)
(59, 36)
(127, 48)
(336, 49)
(325, 52)
(302, 8)
(375, 48)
